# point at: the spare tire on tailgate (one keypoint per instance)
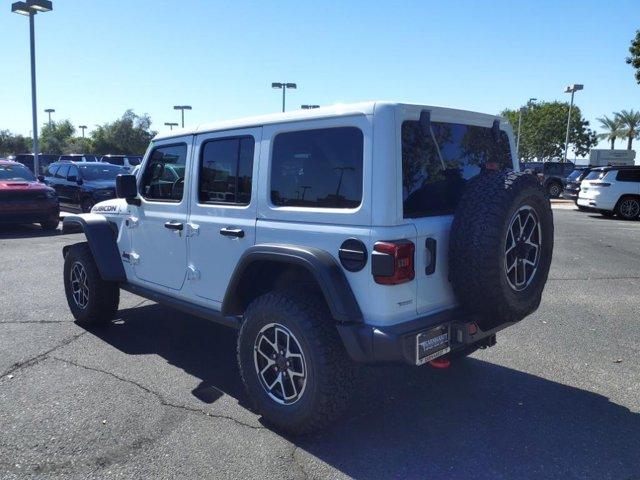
(500, 246)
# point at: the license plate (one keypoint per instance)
(432, 344)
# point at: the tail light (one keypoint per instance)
(392, 262)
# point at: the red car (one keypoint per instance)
(23, 199)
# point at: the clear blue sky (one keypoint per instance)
(95, 59)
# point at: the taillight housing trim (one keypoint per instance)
(393, 262)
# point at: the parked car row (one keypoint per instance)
(611, 190)
(127, 162)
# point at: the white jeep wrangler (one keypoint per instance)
(374, 232)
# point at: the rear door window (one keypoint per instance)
(319, 168)
(62, 171)
(628, 176)
(52, 170)
(433, 183)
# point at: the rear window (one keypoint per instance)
(113, 160)
(573, 176)
(432, 184)
(595, 175)
(318, 168)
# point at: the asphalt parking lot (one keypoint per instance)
(157, 394)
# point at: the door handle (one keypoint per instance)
(174, 226)
(232, 232)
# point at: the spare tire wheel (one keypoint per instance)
(500, 246)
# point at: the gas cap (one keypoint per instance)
(353, 255)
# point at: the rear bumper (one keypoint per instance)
(397, 343)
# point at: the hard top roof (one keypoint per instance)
(338, 110)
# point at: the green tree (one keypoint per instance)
(129, 134)
(11, 144)
(612, 129)
(56, 136)
(634, 58)
(544, 126)
(630, 121)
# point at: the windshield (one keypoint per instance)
(16, 172)
(100, 172)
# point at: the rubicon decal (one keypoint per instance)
(105, 208)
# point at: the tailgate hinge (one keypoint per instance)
(192, 229)
(193, 273)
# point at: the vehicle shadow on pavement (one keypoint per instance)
(26, 231)
(473, 420)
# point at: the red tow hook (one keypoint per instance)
(440, 363)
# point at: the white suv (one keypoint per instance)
(611, 191)
(376, 232)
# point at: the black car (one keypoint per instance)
(80, 185)
(551, 174)
(572, 184)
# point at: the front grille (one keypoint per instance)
(22, 195)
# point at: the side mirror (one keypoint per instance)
(41, 178)
(127, 188)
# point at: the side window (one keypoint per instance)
(226, 168)
(52, 170)
(73, 172)
(432, 183)
(318, 168)
(163, 177)
(628, 175)
(62, 171)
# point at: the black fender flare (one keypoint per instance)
(320, 264)
(102, 239)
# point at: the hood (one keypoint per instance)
(98, 184)
(22, 185)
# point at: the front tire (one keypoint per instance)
(554, 190)
(86, 205)
(92, 300)
(50, 226)
(292, 361)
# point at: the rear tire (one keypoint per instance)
(554, 190)
(92, 300)
(628, 208)
(314, 388)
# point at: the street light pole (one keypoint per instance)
(572, 89)
(284, 87)
(309, 107)
(34, 103)
(171, 125)
(522, 109)
(50, 111)
(30, 8)
(182, 108)
(83, 128)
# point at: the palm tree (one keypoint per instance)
(630, 121)
(612, 129)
